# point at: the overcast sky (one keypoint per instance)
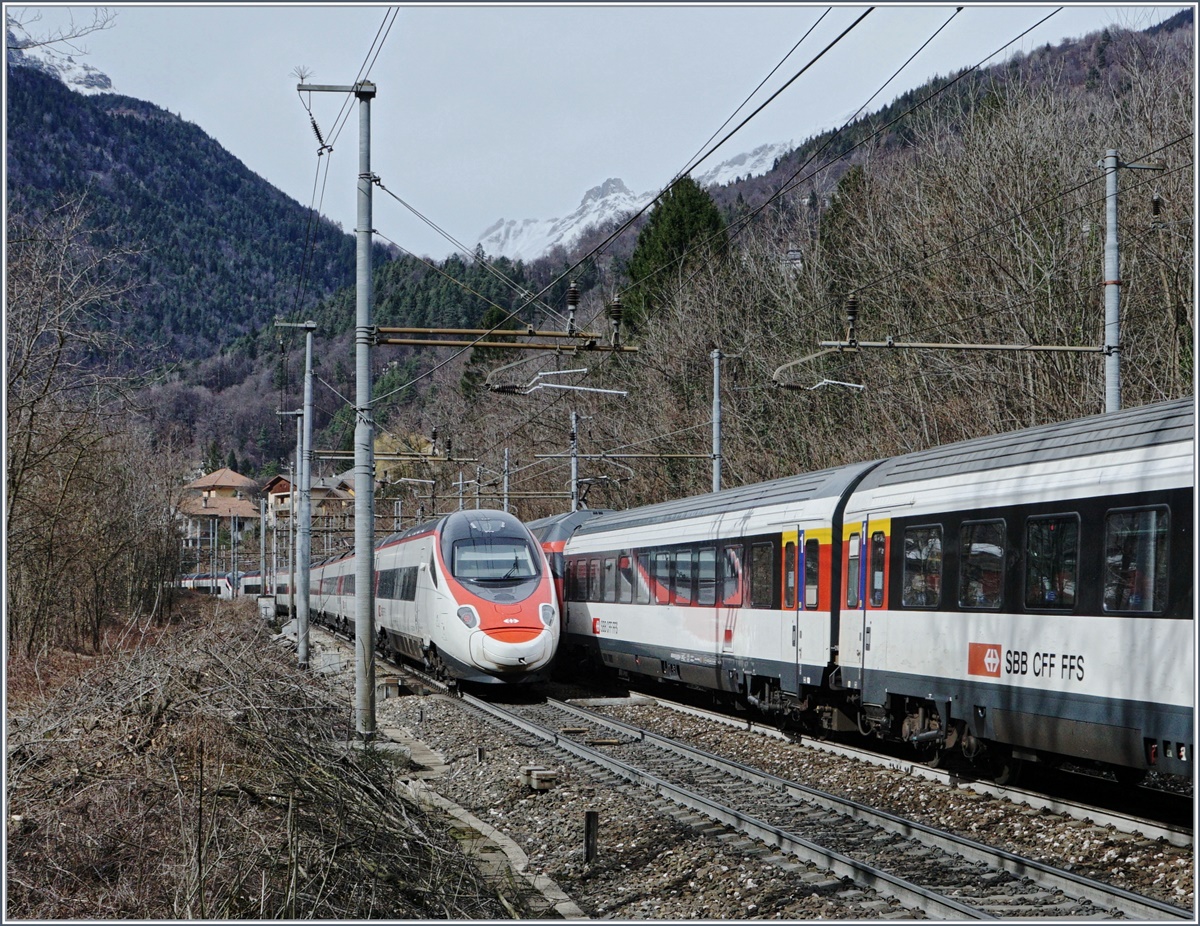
(492, 111)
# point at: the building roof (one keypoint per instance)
(223, 478)
(277, 484)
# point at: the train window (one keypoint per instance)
(878, 556)
(595, 581)
(685, 577)
(981, 564)
(571, 583)
(386, 587)
(706, 592)
(662, 577)
(348, 584)
(624, 579)
(789, 574)
(762, 574)
(812, 573)
(643, 578)
(408, 583)
(610, 579)
(921, 583)
(731, 576)
(852, 558)
(1051, 561)
(1136, 553)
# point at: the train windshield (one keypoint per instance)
(493, 559)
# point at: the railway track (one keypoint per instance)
(943, 875)
(1166, 806)
(939, 874)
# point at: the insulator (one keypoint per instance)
(1156, 205)
(615, 310)
(851, 309)
(573, 294)
(316, 130)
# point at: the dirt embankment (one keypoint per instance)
(199, 774)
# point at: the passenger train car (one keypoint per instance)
(1027, 596)
(470, 596)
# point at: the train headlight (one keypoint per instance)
(547, 612)
(467, 615)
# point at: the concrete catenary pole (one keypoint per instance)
(364, 424)
(364, 437)
(1112, 288)
(574, 461)
(716, 422)
(305, 543)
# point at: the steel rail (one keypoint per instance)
(865, 875)
(1073, 885)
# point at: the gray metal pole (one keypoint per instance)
(295, 500)
(305, 544)
(262, 546)
(364, 438)
(574, 461)
(1112, 289)
(716, 423)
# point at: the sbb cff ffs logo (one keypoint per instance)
(984, 659)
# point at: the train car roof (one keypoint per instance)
(788, 490)
(562, 526)
(1134, 428)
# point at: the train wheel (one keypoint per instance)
(1130, 776)
(1006, 769)
(934, 757)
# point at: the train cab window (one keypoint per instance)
(789, 574)
(762, 576)
(878, 557)
(642, 579)
(1136, 553)
(731, 576)
(662, 577)
(624, 578)
(684, 591)
(812, 573)
(1051, 562)
(921, 582)
(852, 560)
(706, 590)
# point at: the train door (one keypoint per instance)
(791, 634)
(866, 575)
(731, 593)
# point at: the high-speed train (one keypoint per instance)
(469, 595)
(1026, 596)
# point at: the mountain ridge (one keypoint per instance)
(529, 239)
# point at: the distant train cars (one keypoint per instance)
(1022, 596)
(469, 595)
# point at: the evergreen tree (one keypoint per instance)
(685, 229)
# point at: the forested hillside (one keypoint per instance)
(967, 210)
(213, 250)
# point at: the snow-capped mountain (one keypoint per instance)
(752, 164)
(528, 239)
(531, 238)
(23, 51)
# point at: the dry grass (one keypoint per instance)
(200, 775)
